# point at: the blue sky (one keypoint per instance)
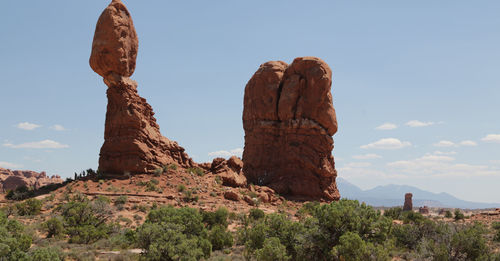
(428, 70)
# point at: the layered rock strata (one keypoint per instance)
(132, 139)
(289, 121)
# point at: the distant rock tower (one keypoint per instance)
(408, 206)
(289, 121)
(132, 139)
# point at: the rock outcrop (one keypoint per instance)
(230, 171)
(12, 179)
(408, 206)
(132, 139)
(423, 210)
(289, 121)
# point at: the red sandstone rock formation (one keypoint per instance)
(12, 179)
(408, 206)
(289, 121)
(132, 139)
(423, 210)
(229, 171)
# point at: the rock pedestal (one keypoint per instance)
(132, 139)
(289, 121)
(408, 206)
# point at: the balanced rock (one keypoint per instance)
(115, 44)
(132, 139)
(289, 121)
(408, 206)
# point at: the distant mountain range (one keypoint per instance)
(393, 195)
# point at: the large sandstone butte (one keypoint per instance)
(289, 121)
(132, 139)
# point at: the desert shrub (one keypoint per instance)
(196, 171)
(188, 196)
(218, 217)
(20, 193)
(14, 242)
(272, 225)
(496, 226)
(256, 214)
(171, 234)
(121, 200)
(448, 214)
(85, 221)
(350, 247)
(46, 254)
(412, 217)
(122, 239)
(157, 172)
(309, 207)
(468, 243)
(458, 215)
(29, 207)
(272, 250)
(181, 188)
(394, 213)
(220, 237)
(54, 227)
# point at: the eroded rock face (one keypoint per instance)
(132, 139)
(289, 121)
(12, 179)
(408, 206)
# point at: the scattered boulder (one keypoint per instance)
(12, 179)
(132, 139)
(231, 195)
(408, 206)
(249, 200)
(289, 120)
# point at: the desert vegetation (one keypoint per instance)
(82, 228)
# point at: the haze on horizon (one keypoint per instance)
(415, 84)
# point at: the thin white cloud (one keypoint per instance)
(469, 143)
(367, 156)
(27, 126)
(58, 127)
(387, 126)
(225, 153)
(44, 144)
(445, 143)
(9, 165)
(495, 138)
(357, 165)
(432, 165)
(387, 144)
(495, 162)
(437, 152)
(416, 123)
